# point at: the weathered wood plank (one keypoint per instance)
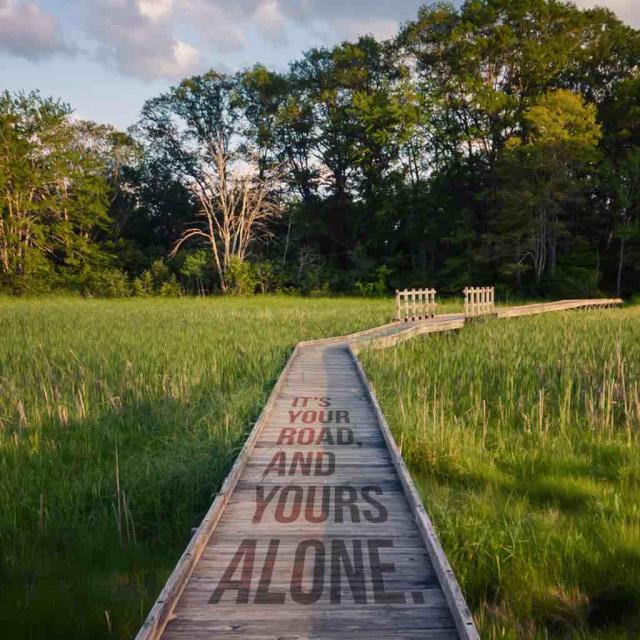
(358, 546)
(163, 608)
(319, 517)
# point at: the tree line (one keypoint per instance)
(494, 143)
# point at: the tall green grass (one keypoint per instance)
(523, 438)
(118, 422)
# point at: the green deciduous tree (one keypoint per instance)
(621, 182)
(54, 194)
(540, 181)
(490, 140)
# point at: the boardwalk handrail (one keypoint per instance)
(479, 301)
(415, 304)
(558, 305)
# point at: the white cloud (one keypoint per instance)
(626, 10)
(186, 55)
(155, 9)
(169, 39)
(271, 21)
(139, 42)
(173, 38)
(28, 32)
(221, 23)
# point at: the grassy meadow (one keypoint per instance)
(120, 419)
(523, 438)
(118, 422)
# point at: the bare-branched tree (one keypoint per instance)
(237, 205)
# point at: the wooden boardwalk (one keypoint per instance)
(318, 531)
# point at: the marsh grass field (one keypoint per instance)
(523, 438)
(120, 419)
(118, 422)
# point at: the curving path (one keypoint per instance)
(318, 531)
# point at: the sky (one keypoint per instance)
(106, 57)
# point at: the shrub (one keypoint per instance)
(241, 277)
(171, 288)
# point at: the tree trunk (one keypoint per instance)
(286, 244)
(223, 281)
(541, 247)
(553, 251)
(620, 263)
(518, 264)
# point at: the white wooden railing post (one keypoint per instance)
(415, 304)
(479, 301)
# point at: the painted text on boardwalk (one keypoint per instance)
(317, 539)
(318, 531)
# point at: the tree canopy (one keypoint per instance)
(496, 142)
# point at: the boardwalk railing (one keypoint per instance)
(558, 305)
(479, 301)
(415, 304)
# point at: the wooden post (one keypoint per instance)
(415, 304)
(479, 301)
(431, 295)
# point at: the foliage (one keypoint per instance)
(241, 277)
(489, 141)
(157, 280)
(194, 268)
(378, 287)
(540, 184)
(621, 186)
(53, 194)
